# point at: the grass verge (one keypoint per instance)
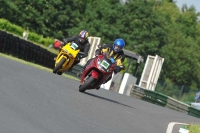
(194, 128)
(37, 66)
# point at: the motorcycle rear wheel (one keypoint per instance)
(87, 84)
(59, 65)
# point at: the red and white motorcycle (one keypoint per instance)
(97, 72)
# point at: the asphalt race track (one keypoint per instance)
(36, 101)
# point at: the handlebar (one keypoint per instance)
(81, 53)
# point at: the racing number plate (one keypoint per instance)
(105, 64)
(74, 46)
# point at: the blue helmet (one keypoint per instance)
(118, 45)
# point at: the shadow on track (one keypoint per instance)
(108, 99)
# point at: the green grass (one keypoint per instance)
(37, 66)
(194, 128)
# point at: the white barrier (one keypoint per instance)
(94, 41)
(126, 81)
(108, 84)
(151, 72)
(195, 105)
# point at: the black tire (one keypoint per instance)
(83, 88)
(59, 65)
(59, 73)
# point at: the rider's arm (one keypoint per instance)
(119, 62)
(119, 66)
(102, 48)
(120, 58)
(85, 51)
(99, 50)
(70, 39)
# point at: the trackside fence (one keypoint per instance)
(163, 100)
(25, 50)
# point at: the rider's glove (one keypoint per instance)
(79, 57)
(117, 69)
(97, 52)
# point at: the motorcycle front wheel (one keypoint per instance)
(59, 65)
(59, 73)
(87, 84)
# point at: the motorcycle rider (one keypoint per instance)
(114, 50)
(82, 41)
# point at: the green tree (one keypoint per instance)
(8, 9)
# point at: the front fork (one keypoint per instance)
(94, 74)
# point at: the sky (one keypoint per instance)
(195, 3)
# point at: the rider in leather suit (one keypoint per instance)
(114, 50)
(82, 41)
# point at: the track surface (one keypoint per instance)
(37, 101)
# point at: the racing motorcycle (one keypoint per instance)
(97, 72)
(66, 57)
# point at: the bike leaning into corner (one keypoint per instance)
(97, 72)
(66, 57)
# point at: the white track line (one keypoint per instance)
(171, 125)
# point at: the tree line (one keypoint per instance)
(149, 27)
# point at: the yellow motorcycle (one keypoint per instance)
(66, 57)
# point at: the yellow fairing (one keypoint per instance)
(69, 54)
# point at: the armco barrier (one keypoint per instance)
(177, 105)
(75, 70)
(194, 112)
(25, 50)
(163, 100)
